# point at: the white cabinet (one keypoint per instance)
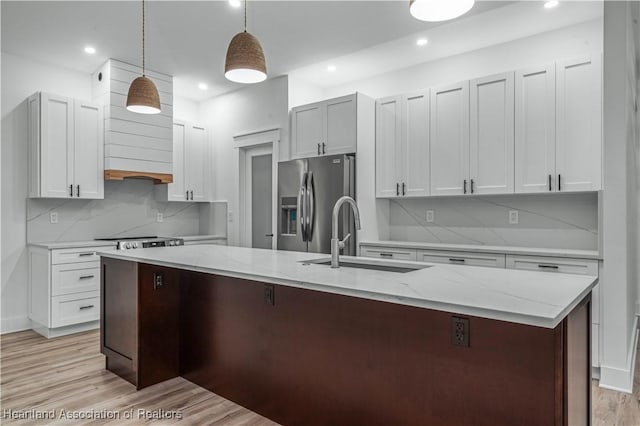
(387, 253)
(66, 148)
(64, 289)
(449, 162)
(579, 124)
(324, 128)
(535, 129)
(402, 146)
(559, 127)
(462, 258)
(491, 165)
(190, 154)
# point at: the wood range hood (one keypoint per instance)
(136, 146)
(157, 178)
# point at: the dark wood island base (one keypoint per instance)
(304, 357)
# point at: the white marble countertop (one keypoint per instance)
(73, 244)
(525, 297)
(477, 248)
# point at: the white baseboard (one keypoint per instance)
(619, 379)
(13, 324)
(50, 333)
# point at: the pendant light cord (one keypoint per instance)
(143, 38)
(245, 15)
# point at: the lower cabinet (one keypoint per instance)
(64, 289)
(388, 253)
(462, 258)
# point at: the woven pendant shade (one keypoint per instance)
(143, 96)
(245, 60)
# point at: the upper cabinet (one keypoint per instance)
(324, 128)
(535, 130)
(190, 157)
(66, 142)
(402, 146)
(559, 127)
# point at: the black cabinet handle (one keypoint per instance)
(82, 308)
(324, 145)
(559, 184)
(549, 182)
(187, 195)
(455, 259)
(464, 187)
(386, 254)
(548, 266)
(71, 190)
(191, 195)
(86, 277)
(268, 235)
(472, 186)
(318, 149)
(87, 254)
(397, 188)
(78, 190)
(404, 188)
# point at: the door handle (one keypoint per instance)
(318, 149)
(71, 190)
(324, 146)
(549, 182)
(187, 195)
(397, 188)
(311, 214)
(191, 195)
(268, 235)
(302, 201)
(404, 188)
(559, 184)
(78, 190)
(464, 187)
(472, 186)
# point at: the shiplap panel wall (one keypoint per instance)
(134, 142)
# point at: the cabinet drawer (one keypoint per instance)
(75, 308)
(387, 253)
(74, 255)
(462, 258)
(553, 264)
(75, 278)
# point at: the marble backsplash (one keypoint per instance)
(129, 209)
(545, 220)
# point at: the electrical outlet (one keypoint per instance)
(159, 217)
(230, 216)
(431, 216)
(460, 331)
(53, 217)
(269, 295)
(513, 217)
(158, 280)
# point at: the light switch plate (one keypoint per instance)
(53, 217)
(431, 216)
(513, 217)
(159, 217)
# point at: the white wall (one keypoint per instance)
(185, 109)
(302, 92)
(620, 202)
(21, 78)
(253, 108)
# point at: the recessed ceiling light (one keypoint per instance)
(422, 42)
(331, 68)
(551, 4)
(439, 10)
(90, 50)
(203, 86)
(235, 3)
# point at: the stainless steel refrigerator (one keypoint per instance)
(307, 191)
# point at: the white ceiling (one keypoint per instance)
(188, 39)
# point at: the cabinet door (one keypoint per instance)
(535, 129)
(307, 130)
(449, 139)
(579, 124)
(340, 116)
(56, 146)
(415, 145)
(491, 135)
(88, 164)
(177, 189)
(196, 156)
(388, 136)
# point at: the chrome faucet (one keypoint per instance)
(336, 244)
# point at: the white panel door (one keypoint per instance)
(579, 124)
(196, 155)
(415, 145)
(491, 135)
(388, 146)
(340, 116)
(307, 130)
(535, 129)
(56, 149)
(177, 190)
(450, 139)
(88, 162)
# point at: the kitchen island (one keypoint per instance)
(302, 343)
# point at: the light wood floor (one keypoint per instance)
(67, 373)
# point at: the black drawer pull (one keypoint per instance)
(86, 277)
(86, 254)
(548, 266)
(82, 308)
(386, 254)
(455, 259)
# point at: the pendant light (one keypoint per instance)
(245, 60)
(439, 10)
(143, 95)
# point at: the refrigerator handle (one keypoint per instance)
(311, 214)
(302, 201)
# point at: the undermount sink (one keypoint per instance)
(398, 267)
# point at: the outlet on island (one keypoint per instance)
(460, 331)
